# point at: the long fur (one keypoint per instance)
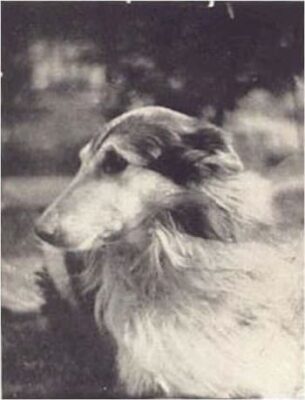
(201, 296)
(207, 318)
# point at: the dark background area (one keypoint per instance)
(104, 58)
(69, 67)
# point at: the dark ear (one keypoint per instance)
(210, 148)
(198, 153)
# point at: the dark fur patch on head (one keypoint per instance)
(196, 156)
(175, 166)
(179, 147)
(208, 138)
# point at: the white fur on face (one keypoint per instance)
(99, 209)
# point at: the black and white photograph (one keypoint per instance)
(152, 199)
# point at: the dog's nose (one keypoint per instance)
(47, 231)
(44, 233)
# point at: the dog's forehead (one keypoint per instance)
(148, 122)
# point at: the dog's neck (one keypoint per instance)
(166, 263)
(160, 255)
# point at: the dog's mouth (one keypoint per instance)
(62, 243)
(133, 233)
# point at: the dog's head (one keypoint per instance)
(139, 159)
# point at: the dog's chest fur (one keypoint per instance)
(213, 328)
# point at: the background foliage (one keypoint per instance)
(104, 58)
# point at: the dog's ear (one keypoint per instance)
(209, 148)
(203, 152)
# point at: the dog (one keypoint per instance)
(200, 296)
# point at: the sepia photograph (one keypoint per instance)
(152, 199)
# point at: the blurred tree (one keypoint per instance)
(188, 56)
(182, 55)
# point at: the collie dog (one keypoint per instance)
(200, 296)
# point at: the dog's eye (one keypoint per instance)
(113, 163)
